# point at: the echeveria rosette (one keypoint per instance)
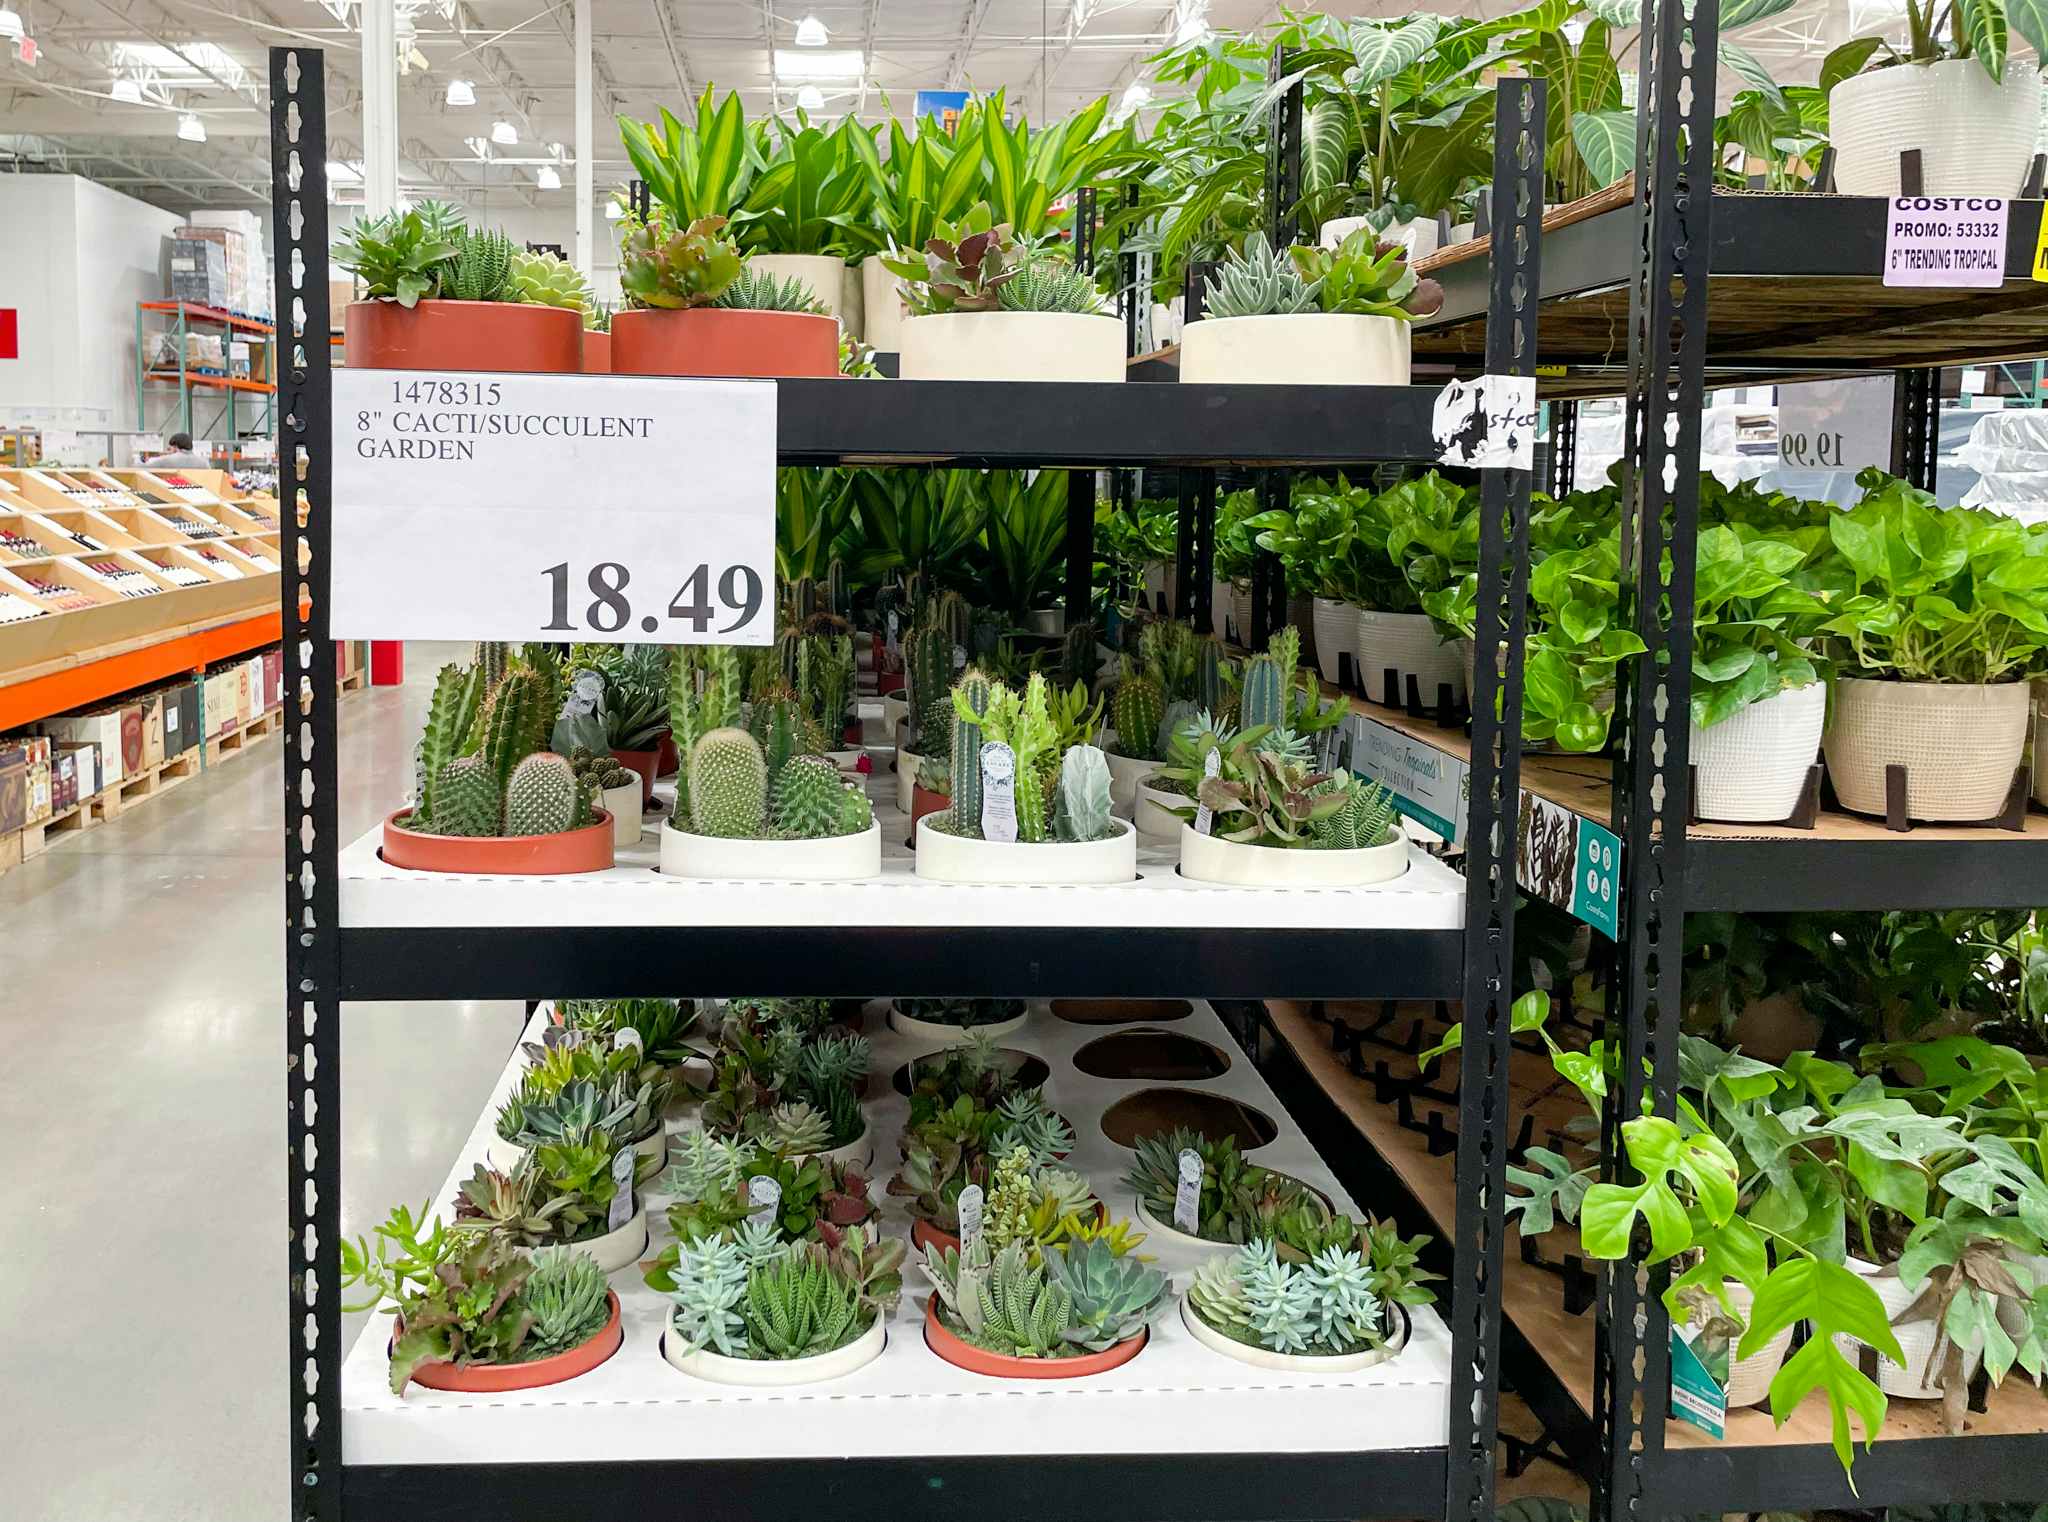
(1749, 622)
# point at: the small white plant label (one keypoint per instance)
(765, 1195)
(626, 1037)
(1205, 817)
(998, 792)
(970, 1216)
(1187, 1198)
(171, 720)
(959, 657)
(623, 1164)
(892, 629)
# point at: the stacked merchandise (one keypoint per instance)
(240, 236)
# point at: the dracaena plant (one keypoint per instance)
(698, 169)
(810, 196)
(963, 265)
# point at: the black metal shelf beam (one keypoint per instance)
(1784, 876)
(1924, 1471)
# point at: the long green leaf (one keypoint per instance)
(1737, 14)
(1741, 61)
(1325, 146)
(1982, 23)
(1382, 51)
(1617, 12)
(2030, 19)
(1433, 163)
(1606, 141)
(1846, 61)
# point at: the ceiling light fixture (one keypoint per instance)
(10, 23)
(461, 93)
(810, 98)
(504, 133)
(839, 64)
(811, 33)
(128, 92)
(191, 129)
(547, 179)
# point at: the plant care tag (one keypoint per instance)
(626, 1037)
(1187, 1198)
(623, 1164)
(1205, 817)
(1945, 241)
(959, 657)
(998, 792)
(891, 639)
(970, 1216)
(765, 1195)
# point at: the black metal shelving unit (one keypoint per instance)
(331, 960)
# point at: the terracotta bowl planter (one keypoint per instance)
(497, 1378)
(644, 763)
(714, 341)
(669, 759)
(979, 1361)
(464, 335)
(586, 850)
(597, 352)
(924, 801)
(929, 1238)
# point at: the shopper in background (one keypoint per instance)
(180, 456)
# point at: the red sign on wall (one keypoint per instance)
(10, 344)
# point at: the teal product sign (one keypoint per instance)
(1596, 878)
(1696, 1395)
(1428, 784)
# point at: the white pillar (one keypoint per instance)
(585, 180)
(380, 106)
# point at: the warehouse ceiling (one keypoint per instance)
(114, 82)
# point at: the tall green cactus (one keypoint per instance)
(1209, 676)
(928, 665)
(1024, 723)
(493, 658)
(1139, 707)
(703, 695)
(824, 679)
(970, 704)
(728, 785)
(807, 799)
(1285, 647)
(777, 726)
(451, 715)
(1263, 696)
(952, 613)
(467, 798)
(542, 796)
(837, 602)
(515, 721)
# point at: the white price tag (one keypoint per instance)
(623, 1163)
(553, 507)
(765, 1195)
(1947, 241)
(1187, 1196)
(970, 1216)
(891, 641)
(1205, 817)
(998, 792)
(170, 719)
(1836, 424)
(626, 1037)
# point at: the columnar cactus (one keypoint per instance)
(1082, 811)
(492, 658)
(466, 798)
(787, 643)
(1209, 676)
(928, 664)
(825, 671)
(728, 785)
(542, 797)
(451, 715)
(1025, 725)
(777, 727)
(807, 799)
(515, 721)
(970, 702)
(1139, 707)
(836, 598)
(1263, 697)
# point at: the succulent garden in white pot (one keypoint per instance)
(1319, 1316)
(1306, 315)
(1173, 673)
(986, 305)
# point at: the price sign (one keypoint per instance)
(1837, 424)
(553, 507)
(1949, 241)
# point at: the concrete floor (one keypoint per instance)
(142, 1255)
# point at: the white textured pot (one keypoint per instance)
(1916, 1341)
(1241, 611)
(906, 778)
(957, 859)
(1125, 772)
(1155, 575)
(829, 278)
(1013, 346)
(1750, 767)
(1164, 1234)
(1292, 1363)
(1974, 134)
(623, 804)
(615, 1249)
(837, 859)
(1749, 1379)
(1336, 625)
(1152, 812)
(1959, 743)
(763, 1373)
(895, 711)
(1308, 348)
(1209, 859)
(882, 311)
(1461, 232)
(944, 1033)
(1409, 643)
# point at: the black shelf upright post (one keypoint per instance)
(1490, 877)
(1564, 446)
(1283, 194)
(1916, 417)
(298, 202)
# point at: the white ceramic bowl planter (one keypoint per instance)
(1959, 742)
(1749, 1379)
(1125, 772)
(1294, 1363)
(1336, 626)
(1152, 812)
(882, 312)
(1916, 1341)
(906, 778)
(615, 1249)
(763, 1373)
(623, 804)
(1210, 859)
(1305, 348)
(835, 859)
(1750, 767)
(1408, 644)
(1975, 135)
(1013, 346)
(945, 1033)
(946, 858)
(829, 277)
(857, 1153)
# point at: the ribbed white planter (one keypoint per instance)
(836, 859)
(831, 280)
(1749, 1379)
(1409, 643)
(1916, 1341)
(1125, 773)
(1974, 134)
(1959, 743)
(895, 710)
(1418, 233)
(1155, 580)
(944, 1033)
(764, 1373)
(957, 859)
(623, 804)
(1152, 812)
(1336, 625)
(1162, 1233)
(1308, 348)
(1293, 1363)
(1461, 232)
(1013, 346)
(1750, 767)
(1209, 859)
(615, 1249)
(1241, 611)
(882, 311)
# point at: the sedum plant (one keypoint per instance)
(668, 269)
(786, 1092)
(962, 267)
(763, 291)
(1258, 282)
(1323, 1307)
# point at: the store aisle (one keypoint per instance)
(142, 1263)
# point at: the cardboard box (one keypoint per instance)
(258, 695)
(273, 678)
(63, 780)
(221, 713)
(13, 789)
(182, 719)
(151, 705)
(199, 272)
(88, 777)
(102, 729)
(39, 805)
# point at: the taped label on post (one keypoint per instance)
(1487, 423)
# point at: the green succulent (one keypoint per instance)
(663, 268)
(456, 1293)
(540, 278)
(480, 267)
(568, 1299)
(1113, 1297)
(963, 266)
(1325, 1307)
(765, 291)
(1049, 284)
(401, 256)
(759, 1298)
(1258, 283)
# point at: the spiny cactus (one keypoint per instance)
(542, 797)
(836, 599)
(856, 814)
(1263, 697)
(479, 269)
(1082, 810)
(1209, 676)
(777, 727)
(1025, 725)
(952, 613)
(543, 279)
(728, 785)
(1139, 707)
(515, 721)
(692, 712)
(492, 658)
(970, 702)
(928, 662)
(807, 799)
(466, 798)
(824, 680)
(451, 715)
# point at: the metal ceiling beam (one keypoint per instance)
(867, 52)
(1079, 14)
(671, 34)
(970, 29)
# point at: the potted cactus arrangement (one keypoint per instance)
(988, 305)
(474, 1313)
(489, 797)
(692, 308)
(757, 1310)
(1020, 1313)
(1332, 1314)
(1332, 317)
(444, 296)
(1237, 1202)
(617, 789)
(574, 1174)
(1173, 674)
(1022, 806)
(966, 1113)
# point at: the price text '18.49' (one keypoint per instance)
(610, 609)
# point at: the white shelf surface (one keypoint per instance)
(1176, 1396)
(1429, 896)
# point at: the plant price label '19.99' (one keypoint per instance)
(638, 510)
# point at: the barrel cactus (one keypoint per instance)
(970, 702)
(1139, 707)
(543, 796)
(856, 814)
(466, 798)
(1082, 809)
(807, 799)
(728, 785)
